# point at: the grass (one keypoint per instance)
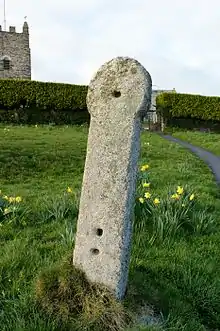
(175, 272)
(209, 141)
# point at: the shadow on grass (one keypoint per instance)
(184, 294)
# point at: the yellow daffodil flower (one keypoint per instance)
(18, 199)
(6, 211)
(156, 201)
(175, 196)
(147, 195)
(11, 199)
(69, 190)
(5, 197)
(145, 167)
(192, 196)
(146, 184)
(141, 200)
(179, 190)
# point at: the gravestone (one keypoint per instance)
(118, 96)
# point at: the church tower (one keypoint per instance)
(15, 54)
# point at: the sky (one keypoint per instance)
(178, 42)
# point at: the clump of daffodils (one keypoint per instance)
(174, 215)
(9, 205)
(147, 195)
(146, 185)
(181, 195)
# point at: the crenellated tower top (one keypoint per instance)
(12, 29)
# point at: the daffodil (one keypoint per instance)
(147, 195)
(192, 196)
(5, 197)
(156, 201)
(141, 200)
(179, 190)
(11, 199)
(175, 196)
(18, 199)
(145, 167)
(146, 184)
(6, 211)
(69, 190)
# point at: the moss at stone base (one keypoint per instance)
(65, 293)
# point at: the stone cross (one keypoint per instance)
(118, 96)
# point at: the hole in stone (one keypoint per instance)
(116, 94)
(94, 251)
(99, 232)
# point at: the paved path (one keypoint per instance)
(210, 159)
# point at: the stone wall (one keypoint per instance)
(15, 47)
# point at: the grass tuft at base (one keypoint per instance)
(65, 293)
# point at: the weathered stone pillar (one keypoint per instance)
(118, 95)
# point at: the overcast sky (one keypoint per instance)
(178, 42)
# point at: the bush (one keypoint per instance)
(30, 102)
(177, 105)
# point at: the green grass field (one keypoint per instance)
(175, 260)
(209, 141)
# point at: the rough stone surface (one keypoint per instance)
(15, 47)
(118, 96)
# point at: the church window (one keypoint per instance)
(6, 63)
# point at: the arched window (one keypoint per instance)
(5, 63)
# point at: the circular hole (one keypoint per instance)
(99, 232)
(94, 251)
(116, 94)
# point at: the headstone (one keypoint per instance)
(118, 96)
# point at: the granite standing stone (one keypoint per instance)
(118, 96)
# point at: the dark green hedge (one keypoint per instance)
(41, 116)
(57, 96)
(192, 124)
(176, 105)
(24, 101)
